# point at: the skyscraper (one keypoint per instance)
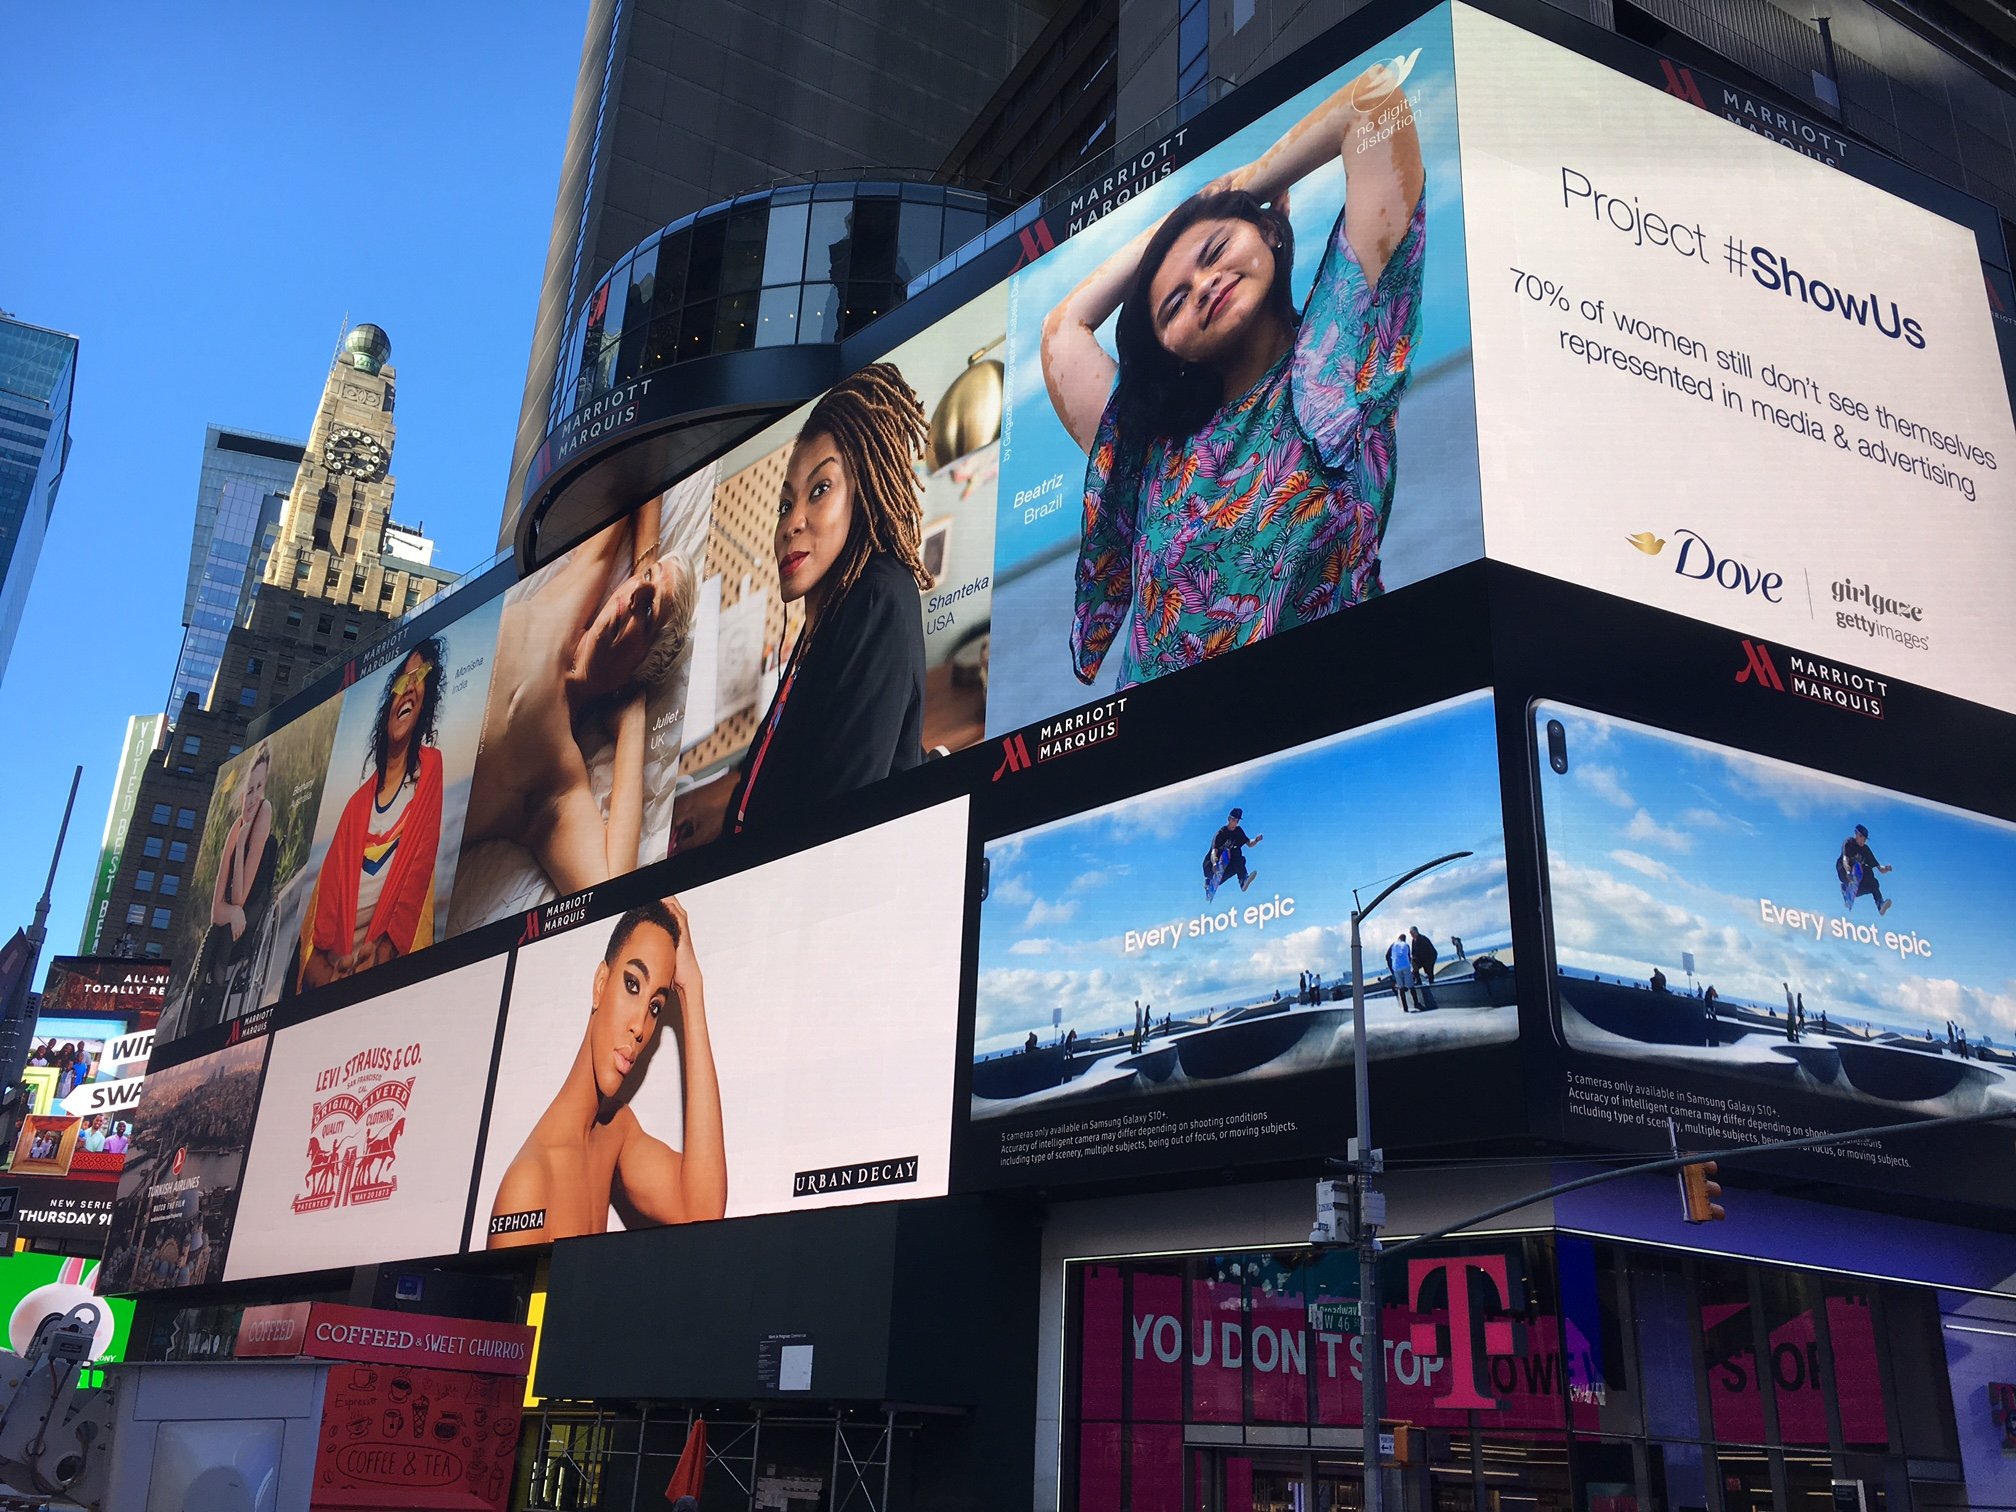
(244, 481)
(143, 737)
(38, 375)
(331, 579)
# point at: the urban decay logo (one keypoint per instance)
(354, 1132)
(1830, 683)
(1699, 562)
(1070, 733)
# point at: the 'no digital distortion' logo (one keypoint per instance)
(1698, 561)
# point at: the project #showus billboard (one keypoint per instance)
(1726, 380)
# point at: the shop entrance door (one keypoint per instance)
(1246, 1480)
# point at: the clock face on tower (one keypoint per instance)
(355, 453)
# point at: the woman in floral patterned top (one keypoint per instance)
(1240, 472)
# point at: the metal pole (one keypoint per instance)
(1372, 1369)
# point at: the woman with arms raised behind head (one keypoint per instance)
(241, 895)
(849, 708)
(1240, 470)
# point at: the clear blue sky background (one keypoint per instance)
(201, 194)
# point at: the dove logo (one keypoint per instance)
(1699, 562)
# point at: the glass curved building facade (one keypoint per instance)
(793, 264)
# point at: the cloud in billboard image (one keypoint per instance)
(580, 737)
(779, 1039)
(1854, 940)
(255, 840)
(367, 1129)
(1199, 936)
(1241, 401)
(381, 869)
(771, 1041)
(171, 1222)
(874, 504)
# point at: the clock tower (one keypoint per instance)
(331, 540)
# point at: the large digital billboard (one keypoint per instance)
(1242, 401)
(178, 1195)
(1724, 920)
(1718, 377)
(35, 1287)
(776, 1040)
(1165, 981)
(368, 1127)
(845, 606)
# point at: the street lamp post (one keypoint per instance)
(1372, 1367)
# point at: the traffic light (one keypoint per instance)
(1700, 1193)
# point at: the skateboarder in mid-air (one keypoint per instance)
(1856, 867)
(1227, 856)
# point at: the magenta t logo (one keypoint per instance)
(1462, 1394)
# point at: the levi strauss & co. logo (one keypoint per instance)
(1697, 560)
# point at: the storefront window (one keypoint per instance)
(1599, 1379)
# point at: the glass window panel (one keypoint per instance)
(668, 287)
(637, 313)
(777, 316)
(663, 346)
(1101, 1338)
(819, 313)
(152, 847)
(792, 194)
(171, 884)
(136, 913)
(829, 240)
(1155, 1346)
(160, 813)
(1099, 1467)
(735, 323)
(875, 227)
(961, 226)
(178, 850)
(1192, 76)
(1277, 1341)
(918, 244)
(153, 950)
(1659, 1303)
(1218, 1341)
(1596, 1343)
(1793, 1342)
(160, 918)
(784, 244)
(703, 267)
(143, 882)
(1677, 1477)
(1729, 1352)
(742, 251)
(1858, 1381)
(185, 818)
(1910, 1326)
(1155, 1467)
(696, 331)
(865, 302)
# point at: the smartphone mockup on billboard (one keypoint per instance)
(1724, 920)
(1723, 379)
(779, 1039)
(1165, 982)
(1241, 401)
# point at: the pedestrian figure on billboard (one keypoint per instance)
(1457, 942)
(1240, 451)
(1856, 868)
(1709, 1001)
(1658, 981)
(1226, 858)
(1422, 949)
(242, 894)
(589, 1141)
(374, 899)
(1400, 961)
(849, 707)
(576, 660)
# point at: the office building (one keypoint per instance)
(38, 378)
(330, 580)
(242, 483)
(143, 739)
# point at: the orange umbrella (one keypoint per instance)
(691, 1470)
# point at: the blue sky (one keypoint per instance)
(1657, 844)
(202, 195)
(1349, 811)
